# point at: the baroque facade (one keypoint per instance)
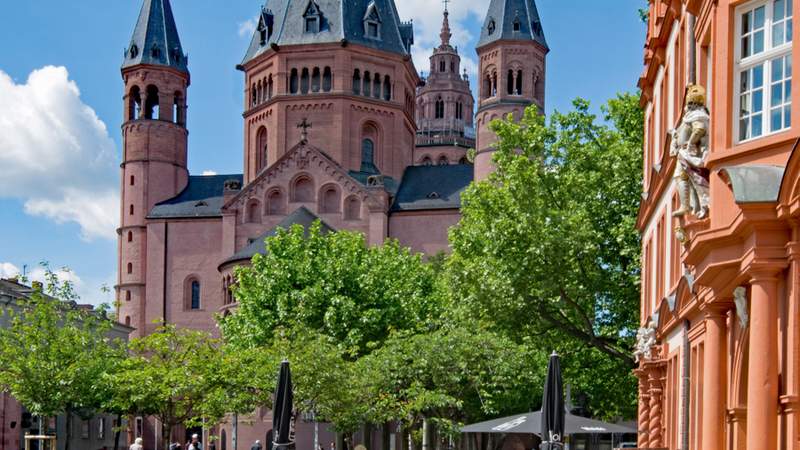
(719, 348)
(338, 126)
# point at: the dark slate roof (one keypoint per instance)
(301, 216)
(432, 187)
(202, 197)
(155, 39)
(504, 13)
(342, 20)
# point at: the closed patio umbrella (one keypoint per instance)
(282, 410)
(553, 414)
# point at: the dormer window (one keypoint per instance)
(312, 18)
(155, 51)
(265, 23)
(517, 25)
(372, 22)
(536, 26)
(134, 51)
(490, 28)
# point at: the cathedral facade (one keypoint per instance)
(338, 126)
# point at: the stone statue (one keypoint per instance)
(645, 340)
(690, 146)
(740, 300)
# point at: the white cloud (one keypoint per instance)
(56, 154)
(207, 173)
(8, 270)
(427, 17)
(248, 27)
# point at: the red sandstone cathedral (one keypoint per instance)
(338, 127)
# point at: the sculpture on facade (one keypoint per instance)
(740, 300)
(690, 147)
(645, 340)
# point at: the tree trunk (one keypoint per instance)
(117, 431)
(68, 426)
(166, 435)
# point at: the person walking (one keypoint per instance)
(175, 446)
(137, 444)
(194, 444)
(256, 445)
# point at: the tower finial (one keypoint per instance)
(445, 34)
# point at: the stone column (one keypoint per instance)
(644, 409)
(762, 387)
(656, 427)
(714, 375)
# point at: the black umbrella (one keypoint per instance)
(553, 415)
(282, 409)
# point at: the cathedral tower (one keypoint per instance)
(512, 52)
(154, 134)
(444, 108)
(343, 67)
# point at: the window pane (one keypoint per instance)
(744, 131)
(758, 17)
(744, 105)
(789, 30)
(787, 116)
(758, 42)
(776, 120)
(758, 100)
(758, 76)
(777, 69)
(745, 46)
(777, 34)
(756, 125)
(777, 10)
(788, 94)
(777, 94)
(744, 81)
(746, 22)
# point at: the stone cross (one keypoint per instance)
(445, 4)
(305, 125)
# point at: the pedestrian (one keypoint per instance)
(194, 444)
(137, 444)
(333, 445)
(175, 446)
(256, 445)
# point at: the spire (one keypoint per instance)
(155, 39)
(446, 34)
(514, 20)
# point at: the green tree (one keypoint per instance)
(547, 246)
(333, 284)
(54, 356)
(182, 376)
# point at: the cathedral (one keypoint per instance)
(339, 126)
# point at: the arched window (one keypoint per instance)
(453, 66)
(303, 190)
(510, 83)
(367, 84)
(293, 82)
(127, 321)
(178, 110)
(304, 81)
(439, 108)
(127, 296)
(194, 299)
(327, 79)
(487, 87)
(376, 86)
(130, 210)
(275, 203)
(443, 161)
(254, 95)
(269, 87)
(426, 161)
(517, 25)
(459, 110)
(253, 212)
(329, 200)
(151, 107)
(352, 208)
(132, 180)
(223, 440)
(494, 84)
(260, 93)
(261, 149)
(519, 82)
(368, 156)
(134, 103)
(441, 66)
(357, 82)
(130, 268)
(130, 236)
(316, 82)
(387, 88)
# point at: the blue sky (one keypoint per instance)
(61, 108)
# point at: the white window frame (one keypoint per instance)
(764, 58)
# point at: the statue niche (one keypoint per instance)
(690, 147)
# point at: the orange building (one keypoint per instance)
(719, 347)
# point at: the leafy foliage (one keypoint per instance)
(54, 356)
(547, 247)
(333, 284)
